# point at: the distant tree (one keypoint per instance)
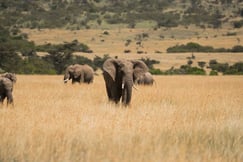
(59, 60)
(10, 61)
(99, 61)
(189, 62)
(201, 64)
(150, 62)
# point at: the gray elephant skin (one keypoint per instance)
(146, 79)
(79, 73)
(6, 87)
(119, 76)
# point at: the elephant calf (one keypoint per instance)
(79, 73)
(145, 79)
(6, 87)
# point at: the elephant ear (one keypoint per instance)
(110, 66)
(139, 68)
(10, 76)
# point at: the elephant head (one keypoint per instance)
(6, 87)
(10, 76)
(79, 73)
(119, 75)
(68, 73)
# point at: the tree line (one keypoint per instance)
(76, 14)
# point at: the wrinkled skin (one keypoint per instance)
(119, 76)
(6, 87)
(145, 79)
(79, 74)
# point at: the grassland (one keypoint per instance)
(153, 46)
(180, 118)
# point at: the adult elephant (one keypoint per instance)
(146, 79)
(6, 87)
(79, 73)
(119, 76)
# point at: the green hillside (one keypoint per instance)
(77, 14)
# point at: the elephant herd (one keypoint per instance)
(120, 75)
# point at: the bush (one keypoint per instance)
(201, 64)
(156, 72)
(36, 65)
(238, 24)
(237, 48)
(235, 69)
(220, 67)
(185, 70)
(150, 63)
(195, 47)
(99, 61)
(73, 46)
(190, 47)
(213, 72)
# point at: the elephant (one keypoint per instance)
(6, 87)
(145, 79)
(119, 76)
(79, 73)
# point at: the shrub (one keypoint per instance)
(213, 72)
(235, 69)
(201, 64)
(237, 48)
(99, 61)
(150, 63)
(73, 46)
(238, 24)
(195, 47)
(36, 65)
(220, 67)
(127, 51)
(190, 47)
(156, 72)
(185, 70)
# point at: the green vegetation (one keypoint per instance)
(18, 55)
(195, 47)
(225, 68)
(183, 70)
(74, 14)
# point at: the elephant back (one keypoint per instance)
(88, 73)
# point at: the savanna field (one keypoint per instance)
(179, 118)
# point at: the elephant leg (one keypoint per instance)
(90, 80)
(117, 93)
(9, 98)
(108, 84)
(113, 91)
(73, 81)
(2, 97)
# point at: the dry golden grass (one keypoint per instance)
(114, 43)
(180, 118)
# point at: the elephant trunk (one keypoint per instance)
(127, 85)
(66, 77)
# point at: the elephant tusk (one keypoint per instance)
(123, 85)
(135, 87)
(65, 80)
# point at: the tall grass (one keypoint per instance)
(180, 118)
